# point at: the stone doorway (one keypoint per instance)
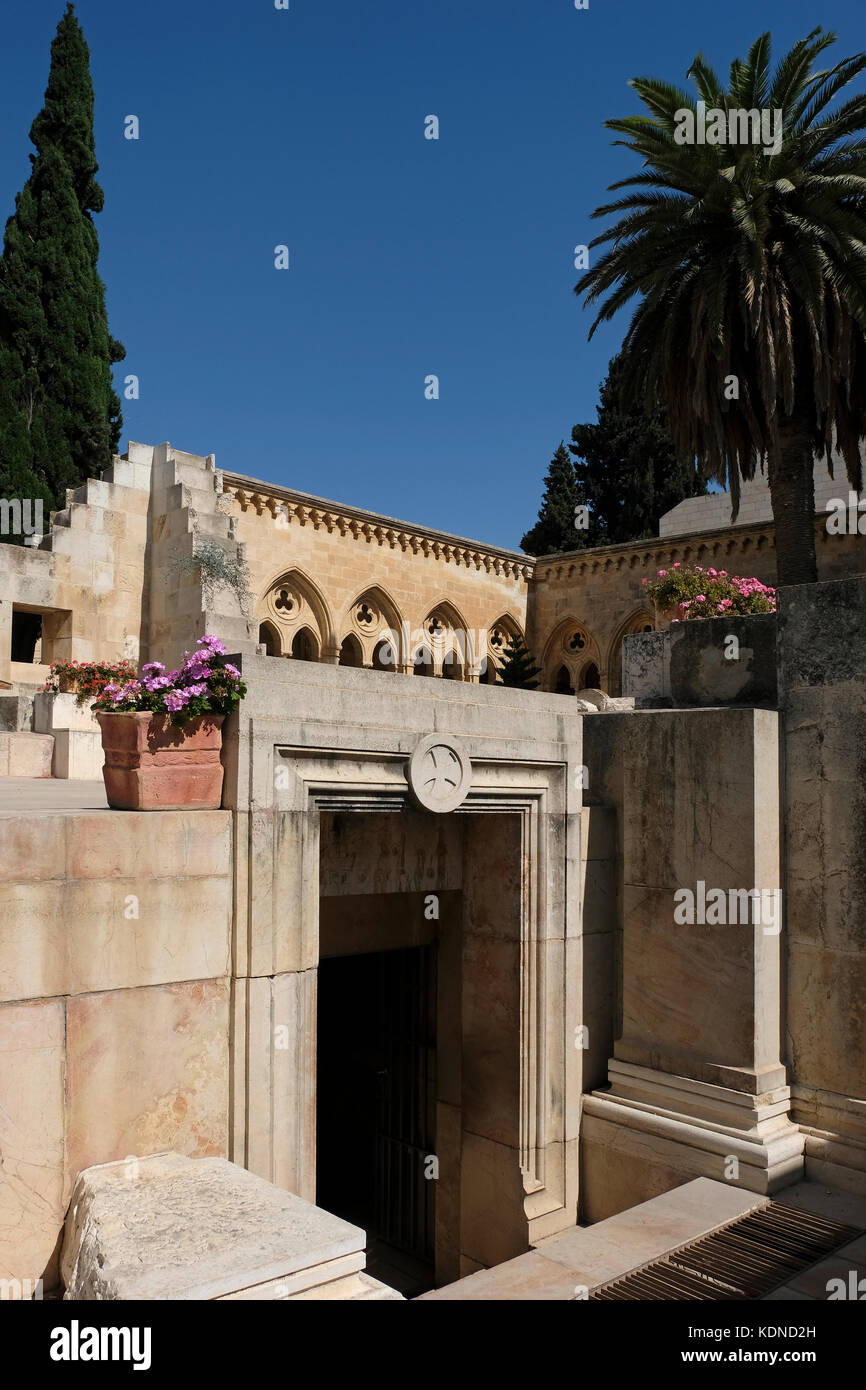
(417, 1075)
(376, 1107)
(326, 767)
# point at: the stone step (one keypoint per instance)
(130, 473)
(353, 1287)
(566, 1266)
(25, 755)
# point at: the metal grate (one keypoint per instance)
(746, 1259)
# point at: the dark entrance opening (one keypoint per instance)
(26, 634)
(376, 1106)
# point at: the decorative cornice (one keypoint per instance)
(749, 538)
(370, 527)
(642, 555)
(304, 510)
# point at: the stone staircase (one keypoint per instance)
(189, 509)
(166, 503)
(129, 541)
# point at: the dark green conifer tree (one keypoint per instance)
(59, 413)
(518, 668)
(555, 529)
(627, 471)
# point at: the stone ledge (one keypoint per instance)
(170, 1227)
(564, 1267)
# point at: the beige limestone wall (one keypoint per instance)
(114, 1005)
(89, 585)
(104, 576)
(714, 510)
(822, 689)
(696, 1084)
(599, 594)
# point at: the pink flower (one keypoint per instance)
(175, 700)
(233, 670)
(700, 598)
(677, 564)
(643, 581)
(200, 689)
(662, 574)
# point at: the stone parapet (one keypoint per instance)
(706, 662)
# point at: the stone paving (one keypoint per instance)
(20, 794)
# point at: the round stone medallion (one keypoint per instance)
(440, 774)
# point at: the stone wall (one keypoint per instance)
(714, 509)
(696, 1081)
(87, 578)
(822, 689)
(713, 661)
(104, 578)
(581, 605)
(114, 1005)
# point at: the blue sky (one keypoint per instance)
(409, 257)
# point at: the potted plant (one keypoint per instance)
(162, 732)
(86, 679)
(686, 592)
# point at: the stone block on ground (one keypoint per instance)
(26, 755)
(170, 1227)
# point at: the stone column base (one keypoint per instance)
(834, 1130)
(652, 1131)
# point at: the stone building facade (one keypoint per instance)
(487, 960)
(340, 585)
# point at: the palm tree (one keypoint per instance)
(751, 264)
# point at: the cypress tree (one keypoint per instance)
(555, 530)
(59, 414)
(627, 471)
(518, 668)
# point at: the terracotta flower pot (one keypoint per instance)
(665, 616)
(67, 685)
(151, 765)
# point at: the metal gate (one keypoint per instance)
(406, 1100)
